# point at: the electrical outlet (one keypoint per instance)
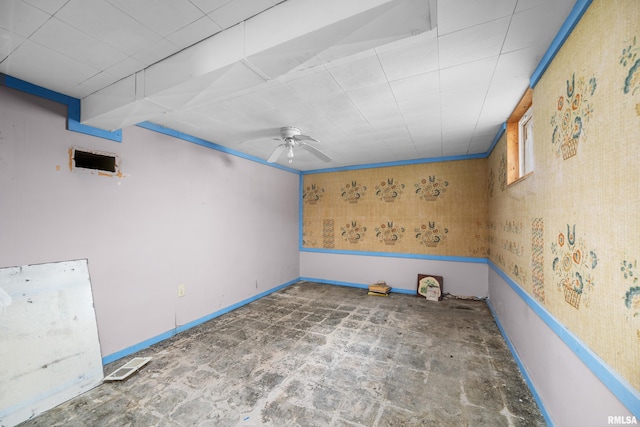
(181, 290)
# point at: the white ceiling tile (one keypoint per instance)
(62, 72)
(92, 84)
(422, 135)
(194, 32)
(373, 97)
(297, 113)
(351, 123)
(236, 11)
(419, 105)
(218, 112)
(471, 44)
(502, 98)
(215, 86)
(209, 5)
(317, 85)
(482, 139)
(432, 150)
(554, 6)
(107, 23)
(49, 6)
(67, 40)
(126, 67)
(414, 58)
(359, 73)
(276, 93)
(155, 51)
(246, 103)
(457, 136)
(536, 26)
(455, 15)
(21, 18)
(471, 75)
(161, 16)
(518, 63)
(455, 148)
(418, 85)
(8, 42)
(336, 104)
(461, 104)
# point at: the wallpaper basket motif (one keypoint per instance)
(353, 232)
(431, 234)
(389, 191)
(312, 194)
(573, 112)
(573, 264)
(352, 192)
(389, 233)
(429, 189)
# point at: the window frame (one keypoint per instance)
(513, 138)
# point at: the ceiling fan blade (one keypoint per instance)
(304, 138)
(276, 153)
(313, 150)
(249, 141)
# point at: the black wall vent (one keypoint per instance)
(95, 161)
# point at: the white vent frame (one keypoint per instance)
(128, 369)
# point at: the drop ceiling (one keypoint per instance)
(373, 81)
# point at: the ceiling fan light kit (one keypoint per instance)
(292, 137)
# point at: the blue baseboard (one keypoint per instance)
(355, 285)
(173, 332)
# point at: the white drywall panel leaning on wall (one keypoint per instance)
(50, 350)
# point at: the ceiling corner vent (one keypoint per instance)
(94, 161)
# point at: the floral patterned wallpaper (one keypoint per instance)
(569, 234)
(431, 208)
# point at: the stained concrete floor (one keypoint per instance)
(320, 355)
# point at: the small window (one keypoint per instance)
(520, 139)
(525, 143)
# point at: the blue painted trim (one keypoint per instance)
(611, 379)
(335, 282)
(36, 90)
(567, 27)
(166, 335)
(137, 347)
(202, 142)
(399, 255)
(73, 107)
(73, 124)
(521, 366)
(356, 285)
(300, 209)
(398, 163)
(501, 132)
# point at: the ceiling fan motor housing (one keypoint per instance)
(289, 132)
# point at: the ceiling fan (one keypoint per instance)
(291, 138)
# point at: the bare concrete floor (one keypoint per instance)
(320, 355)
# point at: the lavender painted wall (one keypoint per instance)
(570, 392)
(223, 226)
(460, 278)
